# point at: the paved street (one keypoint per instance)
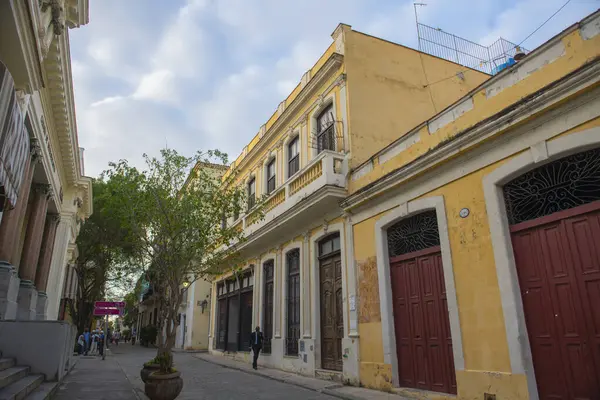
(94, 379)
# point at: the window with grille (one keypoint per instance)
(412, 234)
(560, 185)
(268, 271)
(326, 130)
(251, 193)
(293, 156)
(293, 302)
(271, 176)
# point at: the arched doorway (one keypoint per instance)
(421, 322)
(554, 217)
(331, 296)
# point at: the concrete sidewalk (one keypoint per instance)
(318, 385)
(94, 379)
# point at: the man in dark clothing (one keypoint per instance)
(256, 343)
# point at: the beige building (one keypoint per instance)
(44, 195)
(298, 280)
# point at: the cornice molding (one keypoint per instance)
(325, 72)
(60, 92)
(462, 142)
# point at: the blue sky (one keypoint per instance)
(204, 74)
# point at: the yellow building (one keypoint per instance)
(299, 279)
(476, 237)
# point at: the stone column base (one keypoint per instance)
(27, 300)
(9, 290)
(41, 306)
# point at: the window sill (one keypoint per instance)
(290, 357)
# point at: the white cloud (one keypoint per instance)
(199, 74)
(157, 85)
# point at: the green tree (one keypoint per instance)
(101, 244)
(175, 209)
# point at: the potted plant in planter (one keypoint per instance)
(179, 210)
(149, 367)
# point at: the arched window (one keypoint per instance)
(251, 193)
(560, 185)
(412, 234)
(271, 176)
(293, 156)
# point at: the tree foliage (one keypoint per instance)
(172, 214)
(102, 242)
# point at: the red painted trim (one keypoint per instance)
(415, 254)
(572, 212)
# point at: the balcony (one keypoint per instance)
(309, 195)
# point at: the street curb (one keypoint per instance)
(328, 390)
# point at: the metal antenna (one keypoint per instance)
(417, 22)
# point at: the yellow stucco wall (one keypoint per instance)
(485, 346)
(577, 52)
(201, 321)
(387, 92)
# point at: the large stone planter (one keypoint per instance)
(147, 370)
(163, 386)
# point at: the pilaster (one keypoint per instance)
(306, 289)
(56, 280)
(41, 306)
(9, 290)
(45, 259)
(27, 301)
(12, 220)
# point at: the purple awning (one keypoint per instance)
(14, 139)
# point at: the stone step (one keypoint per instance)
(12, 374)
(6, 363)
(329, 375)
(21, 388)
(44, 391)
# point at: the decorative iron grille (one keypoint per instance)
(560, 185)
(412, 234)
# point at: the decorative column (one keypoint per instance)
(58, 267)
(12, 221)
(306, 298)
(43, 269)
(27, 297)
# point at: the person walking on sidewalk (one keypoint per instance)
(94, 347)
(86, 339)
(256, 343)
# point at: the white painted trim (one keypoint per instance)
(385, 286)
(351, 276)
(315, 283)
(552, 123)
(344, 114)
(521, 361)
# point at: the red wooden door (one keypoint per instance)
(558, 264)
(422, 327)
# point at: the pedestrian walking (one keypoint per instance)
(256, 343)
(117, 336)
(86, 340)
(80, 345)
(101, 339)
(94, 347)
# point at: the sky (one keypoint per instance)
(206, 74)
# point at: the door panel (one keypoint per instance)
(558, 265)
(422, 325)
(332, 325)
